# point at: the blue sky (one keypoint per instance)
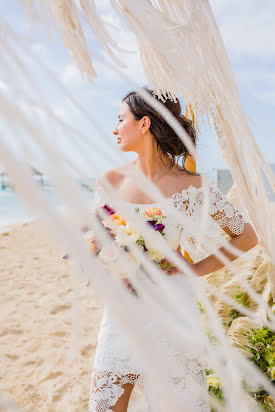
(248, 32)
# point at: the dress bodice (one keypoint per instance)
(204, 212)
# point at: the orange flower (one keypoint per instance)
(94, 246)
(152, 211)
(187, 256)
(118, 220)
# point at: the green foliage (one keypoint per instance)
(166, 265)
(261, 397)
(263, 350)
(243, 299)
(201, 308)
(214, 384)
(234, 314)
(140, 241)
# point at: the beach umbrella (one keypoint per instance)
(3, 174)
(36, 172)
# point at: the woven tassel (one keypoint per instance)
(239, 331)
(65, 15)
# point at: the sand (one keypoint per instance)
(36, 324)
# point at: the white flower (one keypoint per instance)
(155, 255)
(129, 229)
(120, 239)
(89, 235)
(216, 383)
(152, 240)
(134, 236)
(212, 380)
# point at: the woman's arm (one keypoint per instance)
(243, 242)
(243, 236)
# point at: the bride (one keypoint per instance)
(141, 129)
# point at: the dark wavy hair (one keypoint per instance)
(168, 142)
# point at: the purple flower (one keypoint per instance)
(152, 222)
(160, 226)
(108, 209)
(66, 256)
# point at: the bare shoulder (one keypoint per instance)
(116, 175)
(197, 181)
(186, 179)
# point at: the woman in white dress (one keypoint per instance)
(141, 129)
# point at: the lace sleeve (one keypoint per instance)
(224, 213)
(191, 201)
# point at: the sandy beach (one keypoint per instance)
(36, 324)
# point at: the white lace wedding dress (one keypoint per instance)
(114, 363)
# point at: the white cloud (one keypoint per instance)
(250, 74)
(267, 96)
(258, 83)
(4, 87)
(103, 6)
(134, 70)
(71, 74)
(32, 111)
(40, 50)
(116, 103)
(248, 30)
(270, 78)
(128, 56)
(61, 112)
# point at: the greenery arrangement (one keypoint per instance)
(243, 299)
(263, 350)
(260, 345)
(214, 384)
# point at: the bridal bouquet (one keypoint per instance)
(154, 217)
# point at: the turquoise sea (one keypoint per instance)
(13, 210)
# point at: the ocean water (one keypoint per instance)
(13, 210)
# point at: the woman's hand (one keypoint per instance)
(109, 229)
(89, 235)
(173, 270)
(168, 267)
(129, 286)
(94, 247)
